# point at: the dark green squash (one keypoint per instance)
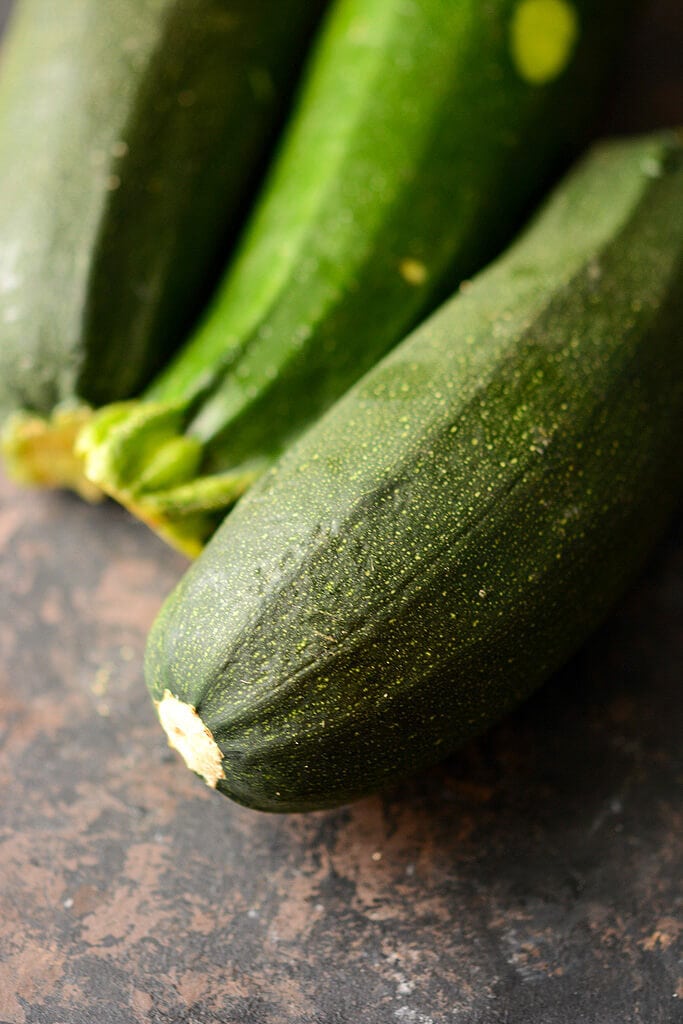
(450, 532)
(132, 133)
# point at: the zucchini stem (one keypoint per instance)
(40, 451)
(138, 454)
(191, 738)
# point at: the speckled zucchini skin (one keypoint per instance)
(423, 132)
(449, 533)
(131, 132)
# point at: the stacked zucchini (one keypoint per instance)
(431, 532)
(132, 134)
(422, 133)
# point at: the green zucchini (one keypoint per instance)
(452, 529)
(423, 131)
(131, 134)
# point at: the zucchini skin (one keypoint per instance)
(412, 118)
(131, 133)
(453, 528)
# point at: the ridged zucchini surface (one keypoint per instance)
(131, 135)
(423, 131)
(454, 527)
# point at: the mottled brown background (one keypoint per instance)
(533, 879)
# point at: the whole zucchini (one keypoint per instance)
(423, 132)
(452, 529)
(131, 134)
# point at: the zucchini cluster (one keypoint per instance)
(246, 290)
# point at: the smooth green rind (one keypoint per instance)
(419, 141)
(450, 532)
(132, 136)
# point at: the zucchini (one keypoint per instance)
(423, 131)
(452, 529)
(131, 133)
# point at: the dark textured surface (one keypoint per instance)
(534, 879)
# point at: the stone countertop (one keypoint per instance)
(535, 878)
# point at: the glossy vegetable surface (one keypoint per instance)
(423, 132)
(132, 133)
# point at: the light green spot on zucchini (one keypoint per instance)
(413, 271)
(543, 35)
